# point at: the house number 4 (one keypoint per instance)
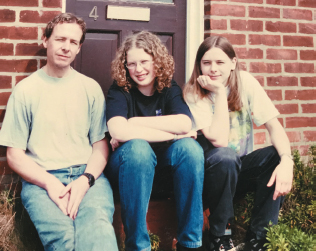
(94, 13)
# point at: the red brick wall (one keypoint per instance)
(21, 53)
(275, 40)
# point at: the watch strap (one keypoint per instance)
(90, 177)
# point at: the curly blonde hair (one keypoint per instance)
(151, 44)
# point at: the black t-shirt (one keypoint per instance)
(135, 104)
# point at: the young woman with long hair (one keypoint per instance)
(225, 102)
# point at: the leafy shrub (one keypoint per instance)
(295, 228)
(297, 209)
(243, 209)
(154, 241)
(282, 237)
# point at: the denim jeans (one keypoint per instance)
(133, 166)
(92, 228)
(228, 177)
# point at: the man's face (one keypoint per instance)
(63, 45)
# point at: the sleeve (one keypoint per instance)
(16, 125)
(260, 104)
(175, 103)
(202, 112)
(98, 126)
(116, 103)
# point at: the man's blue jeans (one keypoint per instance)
(228, 177)
(92, 228)
(132, 167)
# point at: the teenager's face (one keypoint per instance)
(141, 68)
(63, 45)
(217, 65)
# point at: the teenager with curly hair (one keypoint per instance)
(150, 126)
(222, 100)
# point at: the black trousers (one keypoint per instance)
(227, 176)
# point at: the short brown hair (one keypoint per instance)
(151, 44)
(65, 18)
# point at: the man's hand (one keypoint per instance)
(282, 177)
(54, 188)
(75, 190)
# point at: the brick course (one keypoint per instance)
(7, 15)
(275, 41)
(21, 52)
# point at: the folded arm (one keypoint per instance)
(122, 131)
(176, 124)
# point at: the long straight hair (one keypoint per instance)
(192, 88)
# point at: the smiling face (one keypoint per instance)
(141, 70)
(217, 65)
(62, 47)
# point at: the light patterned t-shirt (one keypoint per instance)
(257, 106)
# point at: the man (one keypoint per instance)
(54, 129)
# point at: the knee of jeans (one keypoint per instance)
(191, 153)
(224, 160)
(138, 149)
(190, 149)
(138, 153)
(63, 239)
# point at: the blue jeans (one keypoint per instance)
(133, 166)
(92, 228)
(229, 177)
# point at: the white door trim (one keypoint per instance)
(194, 33)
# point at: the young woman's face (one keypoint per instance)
(217, 65)
(141, 68)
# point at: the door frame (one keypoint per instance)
(194, 31)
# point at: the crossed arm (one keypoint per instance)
(67, 198)
(151, 129)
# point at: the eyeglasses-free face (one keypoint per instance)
(62, 47)
(217, 65)
(141, 69)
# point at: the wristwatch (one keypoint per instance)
(90, 177)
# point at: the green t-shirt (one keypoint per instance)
(56, 120)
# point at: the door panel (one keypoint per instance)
(92, 61)
(104, 36)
